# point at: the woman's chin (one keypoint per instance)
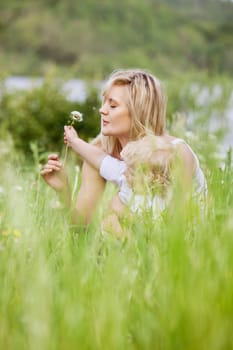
(106, 132)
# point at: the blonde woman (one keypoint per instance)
(134, 105)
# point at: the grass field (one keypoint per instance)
(170, 286)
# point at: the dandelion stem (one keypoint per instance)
(65, 157)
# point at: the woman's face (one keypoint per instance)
(115, 118)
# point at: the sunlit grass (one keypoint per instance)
(167, 287)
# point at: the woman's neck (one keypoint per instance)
(123, 141)
(119, 145)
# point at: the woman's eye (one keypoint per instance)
(112, 106)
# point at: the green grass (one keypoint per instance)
(169, 287)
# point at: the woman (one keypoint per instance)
(134, 105)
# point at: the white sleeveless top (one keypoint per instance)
(112, 169)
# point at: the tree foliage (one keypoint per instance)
(91, 38)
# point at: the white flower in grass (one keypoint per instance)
(18, 188)
(55, 204)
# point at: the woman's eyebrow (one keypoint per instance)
(112, 100)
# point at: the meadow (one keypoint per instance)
(170, 286)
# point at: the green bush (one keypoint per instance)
(39, 115)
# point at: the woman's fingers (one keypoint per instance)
(45, 171)
(69, 131)
(52, 165)
(56, 163)
(49, 169)
(53, 156)
(65, 138)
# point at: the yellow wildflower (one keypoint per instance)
(16, 233)
(5, 232)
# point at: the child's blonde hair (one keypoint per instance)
(149, 160)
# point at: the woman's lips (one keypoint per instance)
(105, 122)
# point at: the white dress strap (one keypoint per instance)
(177, 141)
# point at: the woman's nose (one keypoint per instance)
(102, 110)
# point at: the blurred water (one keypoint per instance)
(74, 89)
(205, 96)
(228, 140)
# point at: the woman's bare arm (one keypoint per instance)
(90, 192)
(89, 152)
(112, 222)
(89, 195)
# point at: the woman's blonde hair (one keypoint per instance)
(146, 103)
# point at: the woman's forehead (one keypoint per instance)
(116, 93)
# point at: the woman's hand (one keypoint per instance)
(70, 135)
(54, 174)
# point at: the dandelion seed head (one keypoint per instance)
(76, 116)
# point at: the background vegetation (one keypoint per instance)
(185, 43)
(168, 287)
(90, 38)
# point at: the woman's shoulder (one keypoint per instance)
(97, 141)
(100, 142)
(184, 151)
